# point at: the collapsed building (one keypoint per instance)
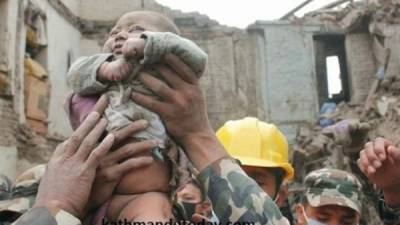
(368, 105)
(274, 70)
(41, 38)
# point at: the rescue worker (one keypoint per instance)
(331, 197)
(262, 151)
(380, 162)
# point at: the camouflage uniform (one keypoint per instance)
(234, 196)
(237, 197)
(389, 215)
(333, 187)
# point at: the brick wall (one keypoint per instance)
(361, 65)
(8, 123)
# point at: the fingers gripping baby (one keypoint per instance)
(137, 42)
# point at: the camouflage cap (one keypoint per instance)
(23, 193)
(333, 187)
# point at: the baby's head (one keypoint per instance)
(132, 24)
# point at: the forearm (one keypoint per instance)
(203, 149)
(236, 197)
(40, 216)
(389, 215)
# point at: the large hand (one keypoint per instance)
(71, 170)
(380, 162)
(183, 107)
(182, 110)
(118, 163)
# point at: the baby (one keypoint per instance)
(138, 41)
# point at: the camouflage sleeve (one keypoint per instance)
(159, 44)
(82, 76)
(388, 215)
(237, 197)
(41, 216)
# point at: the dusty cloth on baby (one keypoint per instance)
(122, 110)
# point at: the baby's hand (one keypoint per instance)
(133, 48)
(115, 71)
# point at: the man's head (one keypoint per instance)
(132, 24)
(192, 201)
(331, 197)
(262, 151)
(269, 179)
(189, 192)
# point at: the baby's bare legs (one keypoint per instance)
(147, 207)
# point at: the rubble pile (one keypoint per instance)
(379, 113)
(382, 119)
(321, 147)
(339, 134)
(33, 148)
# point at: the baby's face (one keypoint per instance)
(130, 25)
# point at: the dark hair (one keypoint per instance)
(279, 174)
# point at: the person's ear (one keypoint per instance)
(300, 214)
(282, 195)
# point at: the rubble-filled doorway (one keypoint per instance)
(331, 68)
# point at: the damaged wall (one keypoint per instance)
(288, 85)
(105, 10)
(3, 36)
(60, 54)
(63, 45)
(361, 64)
(235, 57)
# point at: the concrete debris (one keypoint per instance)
(33, 148)
(338, 145)
(383, 103)
(356, 122)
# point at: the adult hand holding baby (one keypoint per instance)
(119, 162)
(182, 110)
(71, 171)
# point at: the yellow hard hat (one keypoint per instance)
(256, 143)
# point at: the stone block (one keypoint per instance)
(8, 161)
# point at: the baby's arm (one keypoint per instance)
(82, 75)
(90, 75)
(158, 44)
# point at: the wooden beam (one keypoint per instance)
(297, 8)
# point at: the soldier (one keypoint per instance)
(262, 151)
(331, 197)
(380, 162)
